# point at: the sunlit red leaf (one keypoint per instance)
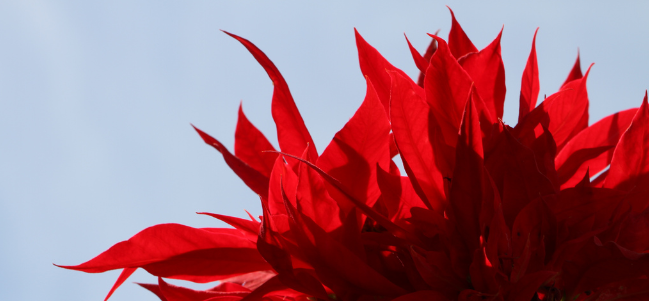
(458, 41)
(420, 61)
(487, 71)
(356, 150)
(420, 143)
(629, 166)
(530, 83)
(592, 149)
(248, 228)
(292, 134)
(484, 212)
(127, 272)
(250, 144)
(171, 250)
(375, 67)
(564, 113)
(252, 177)
(446, 85)
(575, 72)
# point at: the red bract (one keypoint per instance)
(550, 209)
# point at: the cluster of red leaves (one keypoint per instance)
(484, 212)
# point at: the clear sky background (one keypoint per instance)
(96, 98)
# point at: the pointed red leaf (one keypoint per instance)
(353, 154)
(374, 67)
(630, 166)
(250, 229)
(592, 149)
(488, 72)
(250, 144)
(154, 288)
(564, 113)
(570, 116)
(575, 72)
(530, 83)
(420, 61)
(420, 143)
(253, 178)
(446, 85)
(175, 251)
(292, 134)
(127, 272)
(458, 41)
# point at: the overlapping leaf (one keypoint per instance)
(483, 212)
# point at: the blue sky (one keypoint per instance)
(96, 100)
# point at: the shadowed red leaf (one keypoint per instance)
(467, 186)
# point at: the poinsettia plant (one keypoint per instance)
(551, 209)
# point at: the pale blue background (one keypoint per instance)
(96, 98)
